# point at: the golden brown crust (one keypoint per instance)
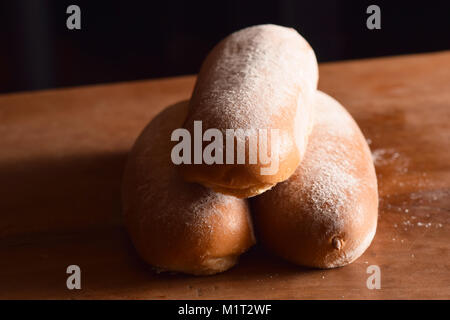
(175, 225)
(325, 215)
(262, 77)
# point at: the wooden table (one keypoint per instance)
(62, 154)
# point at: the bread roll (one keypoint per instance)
(325, 215)
(175, 225)
(261, 77)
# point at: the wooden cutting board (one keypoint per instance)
(62, 153)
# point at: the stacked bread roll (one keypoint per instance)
(267, 133)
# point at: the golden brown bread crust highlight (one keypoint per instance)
(175, 225)
(261, 77)
(325, 215)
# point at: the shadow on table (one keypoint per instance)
(56, 212)
(58, 194)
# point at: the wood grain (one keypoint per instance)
(62, 154)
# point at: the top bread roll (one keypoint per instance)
(262, 77)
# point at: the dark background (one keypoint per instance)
(127, 40)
